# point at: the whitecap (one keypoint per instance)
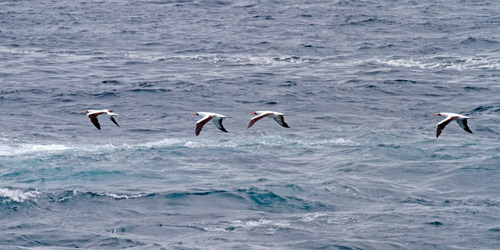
(37, 149)
(444, 62)
(122, 196)
(311, 217)
(23, 149)
(250, 224)
(161, 143)
(18, 195)
(191, 144)
(46, 53)
(217, 59)
(335, 141)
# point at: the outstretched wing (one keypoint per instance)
(114, 121)
(200, 123)
(443, 124)
(281, 121)
(463, 124)
(255, 119)
(93, 119)
(218, 123)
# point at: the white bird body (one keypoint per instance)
(461, 120)
(277, 116)
(206, 117)
(92, 114)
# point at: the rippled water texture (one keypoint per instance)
(359, 82)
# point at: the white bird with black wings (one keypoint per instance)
(92, 114)
(461, 120)
(207, 116)
(278, 117)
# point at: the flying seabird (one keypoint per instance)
(92, 114)
(207, 116)
(461, 120)
(278, 117)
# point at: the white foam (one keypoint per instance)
(18, 195)
(22, 149)
(335, 141)
(262, 141)
(36, 149)
(192, 144)
(161, 143)
(25, 149)
(218, 60)
(247, 225)
(311, 217)
(123, 196)
(44, 53)
(444, 62)
(250, 224)
(16, 51)
(68, 197)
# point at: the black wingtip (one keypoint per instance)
(114, 121)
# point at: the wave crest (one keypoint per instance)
(444, 62)
(16, 195)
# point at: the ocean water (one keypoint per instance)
(358, 80)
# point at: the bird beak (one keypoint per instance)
(194, 114)
(85, 112)
(253, 113)
(437, 115)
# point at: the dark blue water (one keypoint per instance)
(360, 167)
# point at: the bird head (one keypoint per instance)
(195, 114)
(253, 113)
(85, 112)
(437, 114)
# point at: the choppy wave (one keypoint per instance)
(17, 195)
(12, 149)
(22, 149)
(215, 59)
(451, 62)
(445, 62)
(79, 195)
(356, 171)
(252, 198)
(37, 149)
(45, 53)
(23, 196)
(223, 59)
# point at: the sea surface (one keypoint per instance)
(358, 80)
